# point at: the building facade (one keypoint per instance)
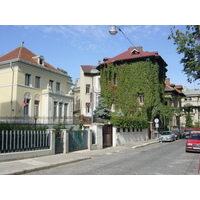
(33, 90)
(90, 83)
(89, 91)
(173, 98)
(192, 101)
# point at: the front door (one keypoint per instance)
(107, 135)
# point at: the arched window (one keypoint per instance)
(26, 104)
(36, 105)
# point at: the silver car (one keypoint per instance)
(167, 136)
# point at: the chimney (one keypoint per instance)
(167, 81)
(138, 48)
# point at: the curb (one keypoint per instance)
(20, 172)
(144, 145)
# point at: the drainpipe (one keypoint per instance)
(11, 99)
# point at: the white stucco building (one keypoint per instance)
(31, 89)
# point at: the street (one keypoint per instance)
(167, 158)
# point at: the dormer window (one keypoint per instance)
(40, 59)
(135, 51)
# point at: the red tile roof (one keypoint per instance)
(23, 53)
(87, 68)
(131, 54)
(171, 87)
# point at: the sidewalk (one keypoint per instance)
(44, 162)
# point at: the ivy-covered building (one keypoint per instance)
(173, 100)
(134, 83)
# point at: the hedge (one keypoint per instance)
(129, 122)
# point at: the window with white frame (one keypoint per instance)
(36, 108)
(60, 110)
(37, 82)
(51, 84)
(55, 109)
(87, 108)
(65, 110)
(27, 79)
(57, 87)
(141, 98)
(26, 107)
(87, 90)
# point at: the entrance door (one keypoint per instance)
(107, 135)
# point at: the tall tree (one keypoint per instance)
(102, 111)
(188, 44)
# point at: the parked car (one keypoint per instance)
(177, 134)
(187, 132)
(182, 133)
(167, 136)
(193, 143)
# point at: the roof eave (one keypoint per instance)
(30, 63)
(137, 58)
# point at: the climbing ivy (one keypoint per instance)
(122, 84)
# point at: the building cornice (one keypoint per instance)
(35, 65)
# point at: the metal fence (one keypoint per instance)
(23, 140)
(78, 140)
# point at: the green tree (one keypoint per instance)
(188, 44)
(188, 120)
(102, 111)
(62, 70)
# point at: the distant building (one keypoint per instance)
(89, 91)
(77, 107)
(31, 89)
(173, 95)
(192, 100)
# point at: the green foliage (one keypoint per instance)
(59, 126)
(102, 111)
(197, 124)
(188, 44)
(17, 126)
(62, 70)
(129, 122)
(188, 120)
(121, 85)
(80, 125)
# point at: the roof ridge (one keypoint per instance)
(20, 52)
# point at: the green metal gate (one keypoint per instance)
(59, 142)
(78, 140)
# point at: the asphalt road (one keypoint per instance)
(167, 158)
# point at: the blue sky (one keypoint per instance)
(69, 46)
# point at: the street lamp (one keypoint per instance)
(113, 31)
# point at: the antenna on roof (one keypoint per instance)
(22, 43)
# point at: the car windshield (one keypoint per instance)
(166, 133)
(195, 136)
